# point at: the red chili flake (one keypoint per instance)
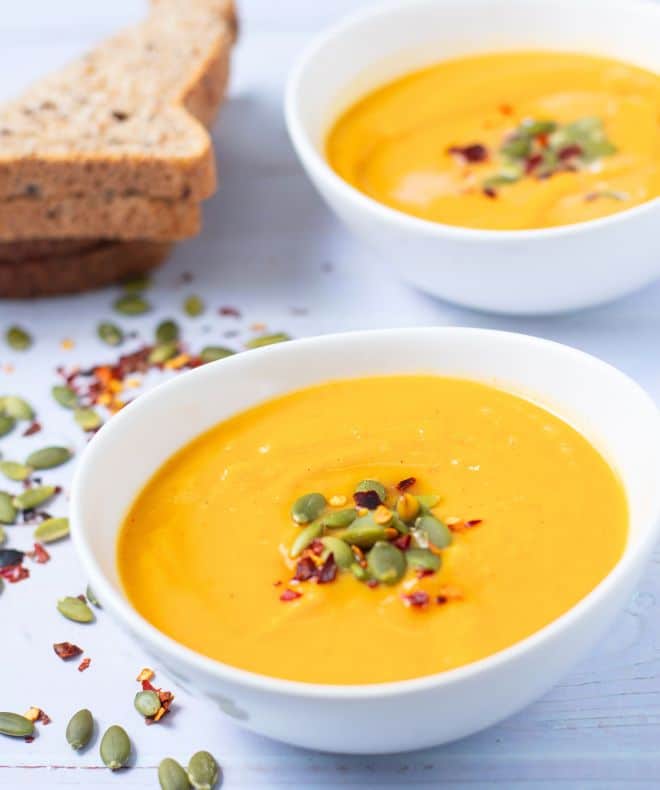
(84, 664)
(543, 139)
(28, 738)
(328, 571)
(532, 162)
(423, 572)
(373, 583)
(403, 542)
(14, 573)
(148, 686)
(418, 598)
(66, 650)
(490, 192)
(232, 312)
(305, 569)
(33, 428)
(316, 547)
(368, 499)
(470, 153)
(82, 598)
(404, 485)
(39, 554)
(570, 151)
(473, 522)
(506, 109)
(278, 583)
(290, 595)
(43, 718)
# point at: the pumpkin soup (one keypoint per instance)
(506, 141)
(371, 530)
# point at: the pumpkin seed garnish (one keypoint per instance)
(18, 339)
(386, 563)
(423, 559)
(213, 353)
(372, 485)
(437, 532)
(147, 703)
(33, 497)
(15, 471)
(7, 424)
(193, 306)
(339, 549)
(308, 507)
(87, 419)
(360, 573)
(305, 537)
(427, 501)
(75, 609)
(110, 333)
(80, 728)
(339, 519)
(115, 748)
(203, 771)
(16, 726)
(91, 597)
(7, 509)
(17, 408)
(363, 532)
(172, 776)
(65, 396)
(167, 331)
(162, 352)
(132, 304)
(52, 529)
(48, 457)
(267, 340)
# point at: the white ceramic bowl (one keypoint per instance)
(604, 404)
(521, 272)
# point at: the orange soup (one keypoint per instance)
(372, 530)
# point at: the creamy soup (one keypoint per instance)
(372, 530)
(506, 141)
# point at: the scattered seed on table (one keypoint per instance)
(18, 339)
(203, 771)
(7, 424)
(7, 509)
(115, 748)
(80, 728)
(17, 408)
(171, 776)
(147, 703)
(48, 457)
(267, 340)
(91, 597)
(15, 471)
(75, 609)
(167, 331)
(15, 725)
(87, 419)
(110, 333)
(213, 353)
(33, 497)
(193, 306)
(65, 396)
(131, 304)
(52, 529)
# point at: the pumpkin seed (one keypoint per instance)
(213, 353)
(91, 597)
(363, 532)
(360, 573)
(386, 563)
(7, 424)
(339, 518)
(203, 771)
(33, 497)
(193, 306)
(15, 471)
(147, 703)
(52, 529)
(110, 333)
(17, 408)
(48, 457)
(399, 525)
(423, 559)
(75, 609)
(340, 550)
(87, 419)
(161, 353)
(3, 535)
(10, 557)
(65, 396)
(171, 776)
(307, 508)
(305, 537)
(132, 304)
(167, 331)
(372, 485)
(15, 725)
(80, 728)
(427, 501)
(267, 340)
(7, 509)
(437, 532)
(115, 748)
(18, 339)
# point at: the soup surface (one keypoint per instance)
(506, 141)
(537, 519)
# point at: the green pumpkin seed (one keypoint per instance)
(193, 306)
(372, 485)
(267, 340)
(437, 532)
(171, 776)
(52, 529)
(33, 497)
(203, 771)
(399, 524)
(7, 424)
(363, 532)
(147, 703)
(15, 725)
(80, 728)
(360, 573)
(15, 471)
(65, 396)
(339, 519)
(213, 353)
(423, 559)
(7, 509)
(161, 353)
(115, 748)
(75, 609)
(110, 333)
(91, 597)
(305, 537)
(18, 339)
(87, 419)
(308, 507)
(427, 501)
(48, 457)
(167, 331)
(132, 304)
(17, 408)
(341, 551)
(3, 536)
(386, 563)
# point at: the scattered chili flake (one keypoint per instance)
(418, 598)
(421, 573)
(28, 738)
(82, 666)
(448, 593)
(372, 583)
(316, 547)
(476, 152)
(290, 595)
(404, 485)
(368, 499)
(33, 427)
(305, 569)
(490, 192)
(38, 554)
(570, 151)
(66, 650)
(278, 583)
(14, 573)
(473, 522)
(532, 162)
(328, 571)
(403, 542)
(232, 312)
(36, 715)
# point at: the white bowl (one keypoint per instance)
(604, 404)
(520, 272)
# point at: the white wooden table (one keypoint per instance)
(272, 249)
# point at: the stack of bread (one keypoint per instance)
(104, 164)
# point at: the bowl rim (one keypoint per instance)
(120, 608)
(319, 166)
